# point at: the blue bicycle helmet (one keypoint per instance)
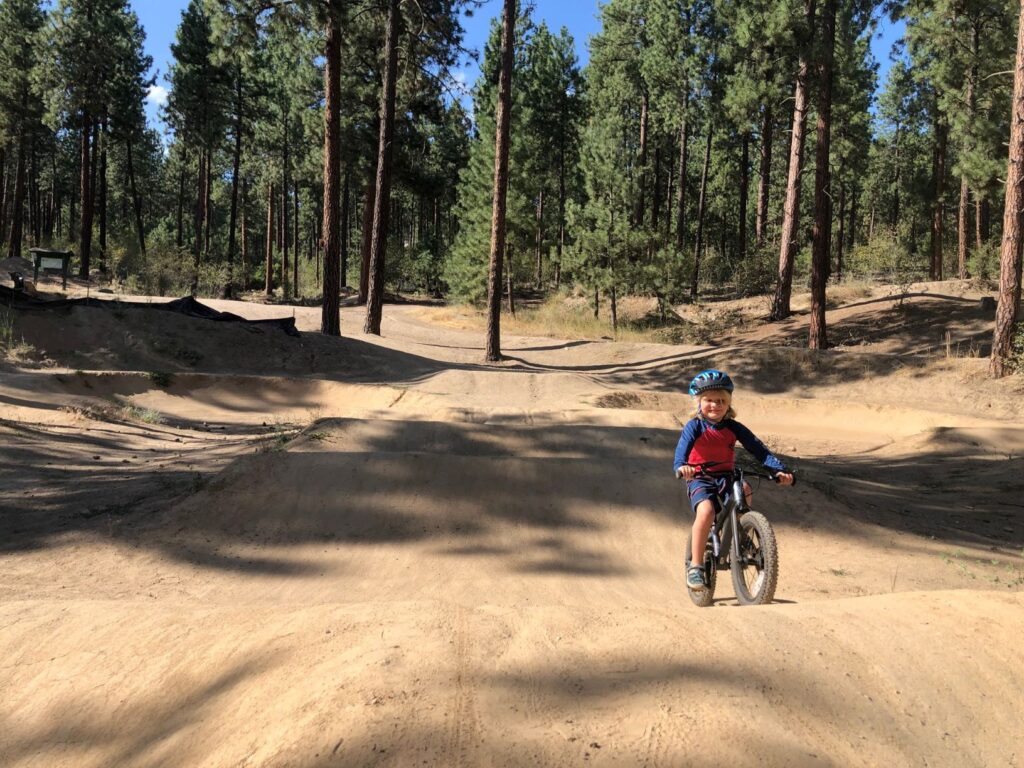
(710, 379)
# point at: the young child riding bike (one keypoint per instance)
(710, 436)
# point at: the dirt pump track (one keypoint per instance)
(383, 552)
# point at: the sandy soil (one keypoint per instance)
(228, 548)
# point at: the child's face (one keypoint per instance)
(714, 404)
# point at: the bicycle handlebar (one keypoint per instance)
(703, 467)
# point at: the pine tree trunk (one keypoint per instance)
(245, 235)
(764, 175)
(207, 205)
(614, 311)
(236, 165)
(346, 225)
(962, 233)
(382, 195)
(962, 224)
(85, 194)
(641, 206)
(268, 283)
(4, 175)
(539, 240)
(841, 235)
(180, 239)
(501, 146)
(941, 132)
(701, 206)
(560, 245)
(791, 209)
(509, 288)
(330, 321)
(978, 241)
(36, 207)
(369, 198)
(283, 232)
(103, 194)
(656, 202)
(136, 201)
(821, 238)
(18, 206)
(1008, 309)
(684, 138)
(744, 187)
(295, 237)
(200, 220)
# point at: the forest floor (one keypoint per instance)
(222, 545)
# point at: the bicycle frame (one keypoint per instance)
(727, 522)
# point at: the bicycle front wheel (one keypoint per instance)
(756, 573)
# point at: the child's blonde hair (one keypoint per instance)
(730, 412)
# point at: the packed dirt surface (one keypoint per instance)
(225, 546)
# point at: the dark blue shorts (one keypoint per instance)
(702, 488)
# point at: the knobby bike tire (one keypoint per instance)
(756, 530)
(705, 598)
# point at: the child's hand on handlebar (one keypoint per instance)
(784, 478)
(686, 472)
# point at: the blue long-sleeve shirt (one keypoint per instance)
(702, 441)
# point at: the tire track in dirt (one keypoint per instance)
(464, 725)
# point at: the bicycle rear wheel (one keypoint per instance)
(702, 598)
(756, 573)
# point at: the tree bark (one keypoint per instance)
(236, 164)
(85, 193)
(641, 207)
(346, 225)
(744, 185)
(102, 172)
(684, 138)
(245, 236)
(764, 176)
(701, 205)
(3, 195)
(200, 220)
(539, 240)
(180, 240)
(501, 146)
(941, 133)
(962, 224)
(295, 237)
(17, 209)
(1008, 308)
(841, 234)
(330, 319)
(382, 195)
(369, 198)
(283, 233)
(822, 233)
(268, 282)
(791, 209)
(136, 200)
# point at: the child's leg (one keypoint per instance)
(705, 516)
(748, 495)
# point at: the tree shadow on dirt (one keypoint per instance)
(147, 733)
(537, 500)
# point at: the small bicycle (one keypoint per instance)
(752, 557)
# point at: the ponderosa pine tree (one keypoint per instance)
(197, 107)
(1008, 308)
(20, 111)
(804, 33)
(503, 122)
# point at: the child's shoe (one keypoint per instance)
(695, 578)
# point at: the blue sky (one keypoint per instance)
(160, 19)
